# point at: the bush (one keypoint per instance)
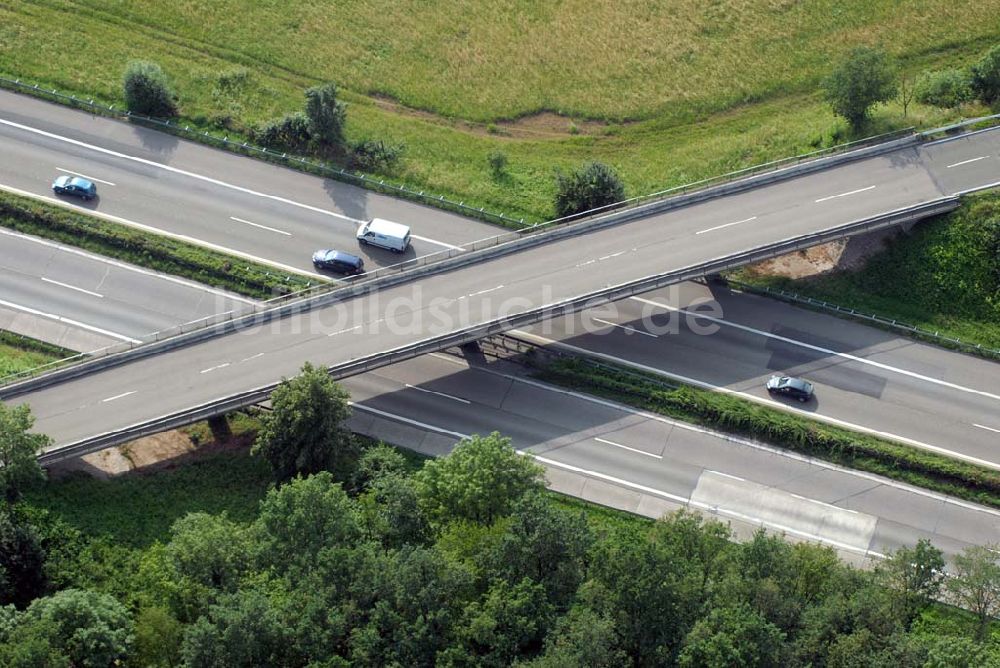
(373, 155)
(944, 88)
(326, 115)
(986, 77)
(498, 163)
(593, 185)
(289, 132)
(148, 91)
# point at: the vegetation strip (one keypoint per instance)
(162, 254)
(943, 277)
(792, 432)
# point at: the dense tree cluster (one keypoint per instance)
(466, 562)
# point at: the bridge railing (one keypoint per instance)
(514, 321)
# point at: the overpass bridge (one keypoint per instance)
(177, 381)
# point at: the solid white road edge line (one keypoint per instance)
(636, 486)
(72, 287)
(767, 402)
(128, 267)
(825, 351)
(67, 321)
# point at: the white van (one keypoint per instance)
(385, 234)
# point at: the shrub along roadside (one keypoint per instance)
(791, 432)
(140, 248)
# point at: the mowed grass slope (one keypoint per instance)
(682, 90)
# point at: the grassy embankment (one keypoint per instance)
(666, 95)
(809, 437)
(943, 277)
(18, 353)
(144, 249)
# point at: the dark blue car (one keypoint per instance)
(75, 186)
(338, 261)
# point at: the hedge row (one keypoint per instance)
(141, 248)
(774, 427)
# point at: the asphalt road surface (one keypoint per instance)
(547, 274)
(247, 207)
(632, 450)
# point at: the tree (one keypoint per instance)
(19, 450)
(326, 115)
(862, 80)
(986, 76)
(304, 431)
(301, 518)
(91, 630)
(480, 480)
(545, 544)
(391, 512)
(581, 638)
(148, 91)
(960, 652)
(734, 637)
(509, 622)
(158, 637)
(976, 585)
(375, 463)
(22, 560)
(209, 550)
(244, 630)
(592, 186)
(915, 574)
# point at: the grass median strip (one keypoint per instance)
(19, 353)
(777, 428)
(162, 254)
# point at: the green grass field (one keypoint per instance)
(19, 354)
(944, 277)
(667, 93)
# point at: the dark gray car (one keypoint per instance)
(76, 186)
(786, 386)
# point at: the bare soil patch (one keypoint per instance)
(841, 255)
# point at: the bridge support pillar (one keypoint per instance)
(220, 428)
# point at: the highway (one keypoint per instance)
(546, 274)
(866, 379)
(112, 300)
(668, 461)
(245, 207)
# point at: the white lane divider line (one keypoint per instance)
(823, 503)
(819, 349)
(853, 192)
(74, 323)
(965, 162)
(213, 368)
(440, 394)
(439, 243)
(725, 475)
(483, 292)
(118, 396)
(263, 227)
(719, 227)
(584, 264)
(625, 447)
(72, 287)
(982, 426)
(89, 178)
(252, 357)
(608, 257)
(344, 331)
(625, 327)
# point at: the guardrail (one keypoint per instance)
(499, 325)
(890, 323)
(477, 250)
